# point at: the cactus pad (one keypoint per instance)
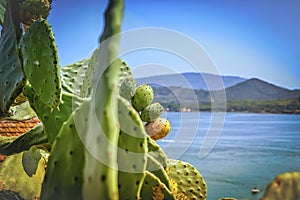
(40, 62)
(152, 112)
(52, 118)
(127, 83)
(14, 178)
(30, 160)
(158, 128)
(284, 186)
(143, 97)
(64, 174)
(12, 78)
(189, 181)
(72, 76)
(32, 137)
(153, 188)
(132, 151)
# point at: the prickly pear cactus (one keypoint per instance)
(153, 188)
(31, 10)
(152, 112)
(158, 129)
(132, 151)
(143, 97)
(72, 76)
(9, 195)
(189, 181)
(284, 186)
(35, 136)
(52, 118)
(40, 62)
(12, 78)
(127, 83)
(14, 178)
(64, 174)
(30, 160)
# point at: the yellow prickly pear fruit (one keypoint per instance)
(158, 129)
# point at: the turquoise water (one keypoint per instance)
(251, 151)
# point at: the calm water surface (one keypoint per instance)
(251, 151)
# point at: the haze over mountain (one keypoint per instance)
(170, 87)
(195, 81)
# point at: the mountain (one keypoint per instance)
(253, 89)
(256, 89)
(195, 81)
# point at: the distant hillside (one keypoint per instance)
(256, 89)
(252, 95)
(195, 81)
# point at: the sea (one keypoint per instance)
(235, 152)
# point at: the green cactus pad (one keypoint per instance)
(35, 136)
(64, 174)
(14, 178)
(22, 112)
(30, 160)
(143, 97)
(153, 188)
(152, 112)
(72, 76)
(52, 118)
(284, 186)
(189, 180)
(158, 170)
(132, 151)
(40, 62)
(127, 83)
(12, 78)
(156, 152)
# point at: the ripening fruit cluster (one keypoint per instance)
(156, 127)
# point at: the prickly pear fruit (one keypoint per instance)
(127, 83)
(31, 10)
(158, 128)
(40, 62)
(189, 181)
(143, 97)
(284, 186)
(152, 112)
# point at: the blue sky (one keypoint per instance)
(249, 38)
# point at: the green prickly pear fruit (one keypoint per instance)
(152, 112)
(31, 10)
(158, 129)
(189, 181)
(143, 97)
(284, 186)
